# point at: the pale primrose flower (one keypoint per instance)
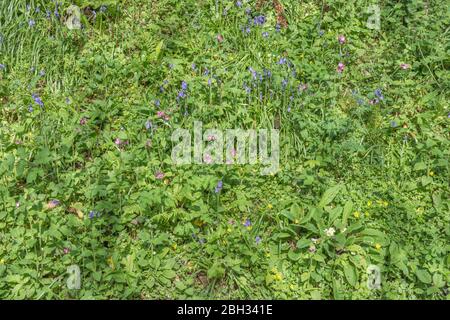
(330, 232)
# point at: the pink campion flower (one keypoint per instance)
(340, 67)
(66, 250)
(83, 121)
(159, 175)
(405, 66)
(118, 141)
(233, 152)
(341, 39)
(211, 138)
(160, 114)
(207, 158)
(219, 38)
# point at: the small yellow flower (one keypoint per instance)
(269, 206)
(267, 255)
(357, 214)
(431, 173)
(111, 262)
(278, 276)
(2, 261)
(174, 246)
(249, 228)
(369, 203)
(366, 214)
(378, 246)
(296, 221)
(229, 230)
(385, 203)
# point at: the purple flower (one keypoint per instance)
(2, 66)
(83, 121)
(37, 100)
(282, 60)
(66, 250)
(340, 67)
(31, 23)
(68, 100)
(184, 85)
(258, 239)
(193, 66)
(92, 214)
(277, 27)
(393, 124)
(405, 66)
(219, 186)
(206, 72)
(265, 34)
(239, 4)
(157, 102)
(259, 20)
(341, 39)
(247, 223)
(209, 81)
(42, 73)
(30, 109)
(248, 11)
(148, 125)
(284, 83)
(159, 175)
(171, 66)
(379, 94)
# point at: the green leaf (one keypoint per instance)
(350, 274)
(329, 195)
(346, 213)
(423, 275)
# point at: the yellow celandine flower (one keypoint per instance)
(378, 246)
(278, 276)
(2, 261)
(268, 255)
(229, 230)
(111, 263)
(269, 206)
(369, 203)
(431, 173)
(296, 221)
(366, 214)
(385, 203)
(356, 214)
(174, 246)
(249, 228)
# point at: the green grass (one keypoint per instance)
(377, 173)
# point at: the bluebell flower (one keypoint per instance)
(171, 66)
(148, 125)
(258, 239)
(284, 83)
(68, 100)
(181, 94)
(379, 94)
(248, 11)
(239, 4)
(209, 81)
(219, 186)
(259, 20)
(247, 223)
(48, 14)
(247, 30)
(30, 109)
(157, 102)
(2, 66)
(206, 72)
(37, 99)
(393, 124)
(282, 60)
(194, 67)
(277, 27)
(31, 23)
(184, 85)
(265, 34)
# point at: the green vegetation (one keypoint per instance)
(86, 176)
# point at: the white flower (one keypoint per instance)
(330, 231)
